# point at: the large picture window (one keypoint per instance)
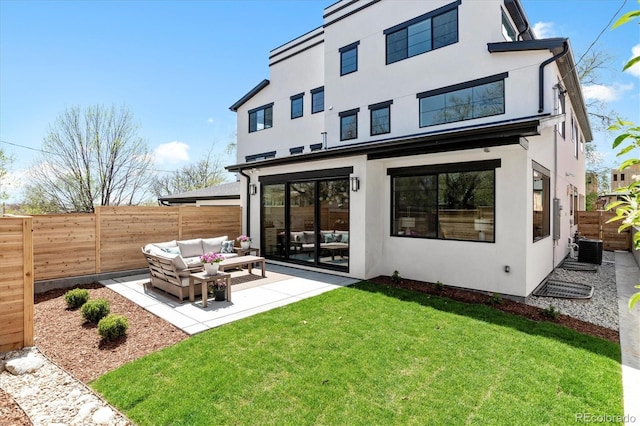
(261, 118)
(541, 202)
(449, 201)
(465, 101)
(419, 35)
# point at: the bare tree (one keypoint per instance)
(202, 174)
(589, 69)
(94, 158)
(5, 161)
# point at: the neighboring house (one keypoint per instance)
(620, 178)
(439, 139)
(226, 194)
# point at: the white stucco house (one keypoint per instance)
(440, 139)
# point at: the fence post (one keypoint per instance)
(27, 241)
(98, 232)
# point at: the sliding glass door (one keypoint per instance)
(307, 222)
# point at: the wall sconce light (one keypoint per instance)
(355, 184)
(253, 189)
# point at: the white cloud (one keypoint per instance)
(604, 93)
(210, 120)
(544, 29)
(635, 70)
(171, 153)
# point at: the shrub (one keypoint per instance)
(551, 312)
(495, 299)
(95, 310)
(438, 286)
(76, 297)
(113, 326)
(395, 278)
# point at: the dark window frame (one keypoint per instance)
(472, 84)
(350, 48)
(255, 111)
(377, 107)
(402, 27)
(294, 103)
(545, 229)
(437, 170)
(319, 91)
(347, 114)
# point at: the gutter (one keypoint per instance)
(565, 50)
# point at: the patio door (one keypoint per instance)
(307, 221)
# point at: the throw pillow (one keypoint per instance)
(190, 248)
(227, 247)
(344, 238)
(171, 250)
(213, 245)
(329, 238)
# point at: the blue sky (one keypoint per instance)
(179, 65)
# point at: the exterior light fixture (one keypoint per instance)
(253, 189)
(355, 184)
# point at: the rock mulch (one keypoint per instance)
(51, 396)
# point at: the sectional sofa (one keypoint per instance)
(171, 262)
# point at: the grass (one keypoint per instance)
(370, 354)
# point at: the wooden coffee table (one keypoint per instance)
(205, 280)
(240, 261)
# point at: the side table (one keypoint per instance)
(245, 252)
(206, 280)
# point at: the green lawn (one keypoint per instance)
(368, 355)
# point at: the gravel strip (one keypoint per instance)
(51, 396)
(602, 308)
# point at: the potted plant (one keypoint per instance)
(219, 290)
(211, 262)
(245, 241)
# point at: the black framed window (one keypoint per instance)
(541, 202)
(448, 201)
(507, 29)
(297, 105)
(349, 124)
(427, 32)
(380, 115)
(561, 110)
(474, 99)
(261, 118)
(317, 100)
(349, 58)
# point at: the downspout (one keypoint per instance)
(565, 49)
(248, 209)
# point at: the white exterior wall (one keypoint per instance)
(476, 265)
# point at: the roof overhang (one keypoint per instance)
(487, 135)
(264, 83)
(520, 19)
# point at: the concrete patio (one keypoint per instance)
(251, 294)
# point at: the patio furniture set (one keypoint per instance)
(175, 266)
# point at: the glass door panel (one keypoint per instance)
(302, 238)
(273, 220)
(333, 201)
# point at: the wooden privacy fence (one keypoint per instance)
(593, 225)
(16, 283)
(109, 240)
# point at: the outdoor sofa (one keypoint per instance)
(171, 262)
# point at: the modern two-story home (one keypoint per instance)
(440, 139)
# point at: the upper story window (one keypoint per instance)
(561, 109)
(261, 118)
(507, 29)
(474, 99)
(297, 105)
(317, 100)
(349, 124)
(349, 58)
(380, 118)
(426, 32)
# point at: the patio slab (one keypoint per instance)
(254, 294)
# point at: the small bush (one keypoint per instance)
(495, 299)
(76, 297)
(112, 327)
(438, 286)
(95, 310)
(395, 277)
(551, 312)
